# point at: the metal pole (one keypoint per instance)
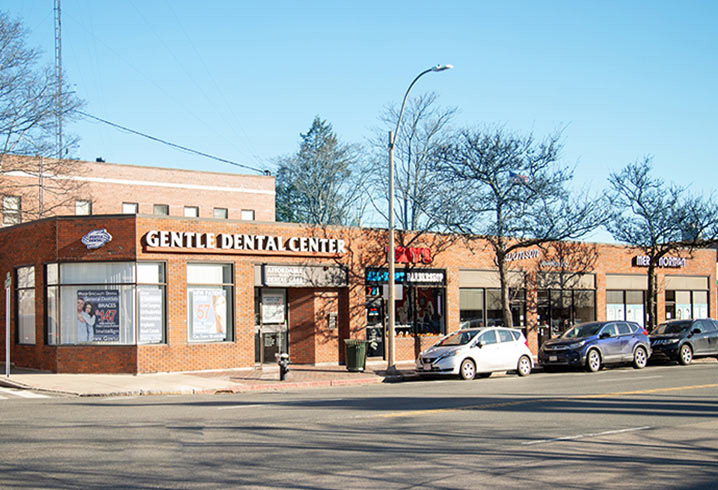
(390, 358)
(8, 286)
(391, 355)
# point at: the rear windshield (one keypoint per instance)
(459, 338)
(584, 330)
(673, 327)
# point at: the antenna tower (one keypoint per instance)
(58, 75)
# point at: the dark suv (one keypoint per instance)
(594, 344)
(682, 340)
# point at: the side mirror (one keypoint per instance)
(480, 344)
(604, 335)
(696, 330)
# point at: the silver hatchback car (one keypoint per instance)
(477, 351)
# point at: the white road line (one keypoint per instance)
(239, 406)
(22, 393)
(628, 379)
(582, 436)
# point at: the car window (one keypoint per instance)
(516, 335)
(583, 330)
(671, 327)
(488, 337)
(712, 326)
(609, 329)
(623, 329)
(458, 338)
(505, 336)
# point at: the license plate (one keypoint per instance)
(427, 367)
(552, 358)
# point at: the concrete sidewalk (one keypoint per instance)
(205, 382)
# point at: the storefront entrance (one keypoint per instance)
(271, 336)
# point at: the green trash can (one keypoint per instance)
(356, 354)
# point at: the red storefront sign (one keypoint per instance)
(412, 255)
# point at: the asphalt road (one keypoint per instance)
(619, 428)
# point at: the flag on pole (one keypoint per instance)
(519, 177)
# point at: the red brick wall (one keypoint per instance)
(108, 185)
(57, 239)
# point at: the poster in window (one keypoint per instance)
(98, 315)
(273, 308)
(209, 314)
(150, 316)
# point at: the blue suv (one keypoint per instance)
(596, 344)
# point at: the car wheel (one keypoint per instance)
(467, 369)
(685, 355)
(593, 361)
(640, 358)
(524, 366)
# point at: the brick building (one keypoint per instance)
(33, 187)
(145, 293)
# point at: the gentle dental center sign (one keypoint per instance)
(238, 241)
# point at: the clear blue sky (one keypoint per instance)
(242, 79)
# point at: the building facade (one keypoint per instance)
(146, 293)
(34, 188)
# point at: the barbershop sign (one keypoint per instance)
(673, 262)
(237, 241)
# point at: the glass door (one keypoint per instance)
(271, 335)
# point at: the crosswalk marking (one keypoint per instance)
(21, 393)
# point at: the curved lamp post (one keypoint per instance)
(391, 256)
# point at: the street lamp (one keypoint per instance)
(391, 364)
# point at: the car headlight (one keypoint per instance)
(673, 341)
(447, 355)
(576, 345)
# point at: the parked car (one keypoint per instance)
(477, 351)
(683, 340)
(595, 344)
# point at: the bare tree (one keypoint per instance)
(29, 102)
(511, 190)
(659, 219)
(323, 183)
(425, 126)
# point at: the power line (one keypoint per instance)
(174, 145)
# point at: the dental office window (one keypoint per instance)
(25, 314)
(120, 303)
(209, 302)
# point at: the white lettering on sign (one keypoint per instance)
(672, 262)
(522, 255)
(436, 277)
(222, 241)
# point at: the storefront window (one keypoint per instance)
(209, 302)
(471, 307)
(626, 305)
(686, 304)
(105, 303)
(25, 281)
(560, 309)
(479, 307)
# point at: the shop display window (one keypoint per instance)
(480, 307)
(25, 290)
(121, 303)
(559, 309)
(626, 305)
(686, 304)
(209, 302)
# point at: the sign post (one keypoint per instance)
(8, 283)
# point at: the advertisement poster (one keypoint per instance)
(273, 308)
(150, 317)
(209, 314)
(98, 315)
